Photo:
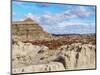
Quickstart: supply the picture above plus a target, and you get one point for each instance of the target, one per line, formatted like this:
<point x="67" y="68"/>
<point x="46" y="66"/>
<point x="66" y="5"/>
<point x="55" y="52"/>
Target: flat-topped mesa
<point x="28" y="30"/>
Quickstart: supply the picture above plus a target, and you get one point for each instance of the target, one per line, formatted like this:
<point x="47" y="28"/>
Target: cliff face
<point x="28" y="30"/>
<point x="33" y="58"/>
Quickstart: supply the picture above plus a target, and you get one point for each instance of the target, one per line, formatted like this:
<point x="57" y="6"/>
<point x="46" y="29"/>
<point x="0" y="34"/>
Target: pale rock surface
<point x="33" y="58"/>
<point x="52" y="66"/>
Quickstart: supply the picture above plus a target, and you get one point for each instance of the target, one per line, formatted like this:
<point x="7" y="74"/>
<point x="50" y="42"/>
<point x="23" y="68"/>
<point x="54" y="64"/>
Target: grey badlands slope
<point x="33" y="58"/>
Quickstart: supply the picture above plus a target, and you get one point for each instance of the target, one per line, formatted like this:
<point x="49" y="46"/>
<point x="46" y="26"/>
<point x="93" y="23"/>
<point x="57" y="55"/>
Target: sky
<point x="57" y="18"/>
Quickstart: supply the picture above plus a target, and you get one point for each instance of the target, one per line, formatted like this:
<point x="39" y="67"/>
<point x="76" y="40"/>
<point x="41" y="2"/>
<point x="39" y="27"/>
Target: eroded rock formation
<point x="34" y="50"/>
<point x="33" y="58"/>
<point x="28" y="30"/>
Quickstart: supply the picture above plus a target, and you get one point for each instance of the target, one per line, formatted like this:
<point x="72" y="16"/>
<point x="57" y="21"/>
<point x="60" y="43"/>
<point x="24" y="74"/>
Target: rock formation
<point x="33" y="58"/>
<point x="28" y="30"/>
<point x="34" y="50"/>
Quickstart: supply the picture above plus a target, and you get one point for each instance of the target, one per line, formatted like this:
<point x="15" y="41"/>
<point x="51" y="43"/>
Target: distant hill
<point x="90" y="34"/>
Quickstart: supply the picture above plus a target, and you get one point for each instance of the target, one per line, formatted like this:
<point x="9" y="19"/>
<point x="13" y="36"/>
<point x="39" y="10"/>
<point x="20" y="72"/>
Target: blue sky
<point x="57" y="18"/>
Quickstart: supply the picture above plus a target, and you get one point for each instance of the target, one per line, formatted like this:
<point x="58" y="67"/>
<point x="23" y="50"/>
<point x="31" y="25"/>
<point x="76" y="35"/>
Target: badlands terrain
<point x="34" y="50"/>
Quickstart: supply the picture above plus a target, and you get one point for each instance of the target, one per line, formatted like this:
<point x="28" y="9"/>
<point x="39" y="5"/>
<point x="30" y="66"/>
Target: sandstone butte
<point x="28" y="30"/>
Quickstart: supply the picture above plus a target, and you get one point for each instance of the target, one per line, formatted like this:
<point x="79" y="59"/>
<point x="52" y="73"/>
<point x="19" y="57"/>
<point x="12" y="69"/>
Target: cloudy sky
<point x="57" y="18"/>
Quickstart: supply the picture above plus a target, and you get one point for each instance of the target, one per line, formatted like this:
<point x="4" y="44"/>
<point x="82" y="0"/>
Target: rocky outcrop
<point x="78" y="56"/>
<point x="28" y="30"/>
<point x="52" y="66"/>
<point x="34" y="58"/>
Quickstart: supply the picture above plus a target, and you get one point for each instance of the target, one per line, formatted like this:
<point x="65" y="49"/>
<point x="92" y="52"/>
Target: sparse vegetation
<point x="63" y="40"/>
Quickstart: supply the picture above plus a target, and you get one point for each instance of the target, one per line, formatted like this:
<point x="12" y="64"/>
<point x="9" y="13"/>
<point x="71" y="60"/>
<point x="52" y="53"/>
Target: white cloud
<point x="78" y="12"/>
<point x="29" y="15"/>
<point x="57" y="23"/>
<point x="69" y="14"/>
<point x="84" y="11"/>
<point x="34" y="17"/>
<point x="49" y="18"/>
<point x="65" y="23"/>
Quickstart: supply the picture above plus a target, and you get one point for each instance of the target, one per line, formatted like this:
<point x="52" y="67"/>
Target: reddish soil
<point x="62" y="40"/>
